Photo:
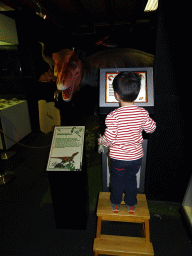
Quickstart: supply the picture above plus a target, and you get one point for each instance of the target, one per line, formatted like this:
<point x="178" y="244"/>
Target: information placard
<point x="110" y="98"/>
<point x="66" y="152"/>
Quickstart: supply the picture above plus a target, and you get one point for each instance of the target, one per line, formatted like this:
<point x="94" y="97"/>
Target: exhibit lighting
<point x="151" y="5"/>
<point x="40" y="14"/>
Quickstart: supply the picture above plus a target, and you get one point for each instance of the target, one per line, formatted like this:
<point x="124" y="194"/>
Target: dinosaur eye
<point x="73" y="64"/>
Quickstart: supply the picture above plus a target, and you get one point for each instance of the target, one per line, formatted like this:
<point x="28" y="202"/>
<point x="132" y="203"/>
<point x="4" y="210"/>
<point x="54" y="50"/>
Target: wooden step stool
<point x="122" y="245"/>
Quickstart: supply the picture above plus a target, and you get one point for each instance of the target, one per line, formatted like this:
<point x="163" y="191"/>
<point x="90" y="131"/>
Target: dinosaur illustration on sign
<point x="66" y="162"/>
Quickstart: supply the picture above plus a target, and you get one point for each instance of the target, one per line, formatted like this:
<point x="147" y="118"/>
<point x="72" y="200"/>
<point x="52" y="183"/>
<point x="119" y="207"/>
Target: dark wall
<point x="10" y="73"/>
<point x="32" y="63"/>
<point x="167" y="172"/>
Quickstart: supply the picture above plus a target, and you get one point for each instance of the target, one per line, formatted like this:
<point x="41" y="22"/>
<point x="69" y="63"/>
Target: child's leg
<point x="130" y="182"/>
<point x="117" y="181"/>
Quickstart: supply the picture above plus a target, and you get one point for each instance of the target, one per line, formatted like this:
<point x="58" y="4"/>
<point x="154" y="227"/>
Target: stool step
<point x="104" y="209"/>
<point x="121" y="245"/>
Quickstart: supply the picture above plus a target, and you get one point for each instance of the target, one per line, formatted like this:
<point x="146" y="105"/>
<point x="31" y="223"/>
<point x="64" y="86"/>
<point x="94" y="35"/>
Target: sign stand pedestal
<point x="68" y="177"/>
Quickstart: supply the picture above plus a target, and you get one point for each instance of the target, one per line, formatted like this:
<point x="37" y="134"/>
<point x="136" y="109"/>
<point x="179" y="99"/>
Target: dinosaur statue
<point x="106" y="42"/>
<point x="47" y="59"/>
<point x="73" y="73"/>
<point x="48" y="77"/>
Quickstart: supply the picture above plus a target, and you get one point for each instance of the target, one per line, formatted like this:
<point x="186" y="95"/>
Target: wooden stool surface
<point x="104" y="208"/>
<point x="120" y="245"/>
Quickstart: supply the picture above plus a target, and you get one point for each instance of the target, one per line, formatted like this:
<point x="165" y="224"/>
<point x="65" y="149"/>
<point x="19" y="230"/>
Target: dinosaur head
<point x="68" y="69"/>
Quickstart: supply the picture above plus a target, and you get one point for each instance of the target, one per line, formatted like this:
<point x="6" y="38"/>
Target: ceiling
<point x="84" y="13"/>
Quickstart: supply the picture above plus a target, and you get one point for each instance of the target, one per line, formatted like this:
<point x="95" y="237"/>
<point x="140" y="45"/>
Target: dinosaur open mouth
<point x="67" y="94"/>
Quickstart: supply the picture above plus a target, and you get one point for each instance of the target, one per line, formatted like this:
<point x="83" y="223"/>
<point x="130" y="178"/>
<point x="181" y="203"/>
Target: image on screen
<point x="110" y="98"/>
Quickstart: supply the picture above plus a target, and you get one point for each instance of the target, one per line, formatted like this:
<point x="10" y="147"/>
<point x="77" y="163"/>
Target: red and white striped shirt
<point x="124" y="132"/>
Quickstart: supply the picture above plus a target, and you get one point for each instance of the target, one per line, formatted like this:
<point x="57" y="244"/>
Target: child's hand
<point x="99" y="140"/>
<point x="100" y="147"/>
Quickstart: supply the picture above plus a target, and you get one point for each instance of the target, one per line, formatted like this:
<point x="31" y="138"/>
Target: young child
<point x="123" y="136"/>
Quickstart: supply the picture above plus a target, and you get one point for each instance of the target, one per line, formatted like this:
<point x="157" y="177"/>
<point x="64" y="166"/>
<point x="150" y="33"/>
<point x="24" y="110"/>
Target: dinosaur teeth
<point x="67" y="93"/>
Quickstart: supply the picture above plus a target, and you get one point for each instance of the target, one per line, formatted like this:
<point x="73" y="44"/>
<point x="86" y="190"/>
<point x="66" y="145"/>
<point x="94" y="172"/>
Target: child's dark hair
<point x="127" y="85"/>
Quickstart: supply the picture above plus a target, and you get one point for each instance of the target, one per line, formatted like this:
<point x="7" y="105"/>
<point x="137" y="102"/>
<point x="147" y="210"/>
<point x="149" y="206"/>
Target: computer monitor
<point x="145" y="99"/>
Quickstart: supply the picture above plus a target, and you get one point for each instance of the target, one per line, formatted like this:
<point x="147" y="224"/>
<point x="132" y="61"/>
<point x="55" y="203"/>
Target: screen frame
<point x="107" y="107"/>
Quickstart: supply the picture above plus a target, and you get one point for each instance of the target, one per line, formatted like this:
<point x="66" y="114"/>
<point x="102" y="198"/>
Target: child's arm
<point x="149" y="125"/>
<point x="110" y="134"/>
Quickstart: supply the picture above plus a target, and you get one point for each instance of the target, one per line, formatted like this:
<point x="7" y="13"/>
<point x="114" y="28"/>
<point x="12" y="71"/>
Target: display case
<point x="15" y="121"/>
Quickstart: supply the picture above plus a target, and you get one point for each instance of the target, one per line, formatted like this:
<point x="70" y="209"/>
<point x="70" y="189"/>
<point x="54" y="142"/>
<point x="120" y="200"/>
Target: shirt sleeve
<point x="149" y="125"/>
<point x="110" y="134"/>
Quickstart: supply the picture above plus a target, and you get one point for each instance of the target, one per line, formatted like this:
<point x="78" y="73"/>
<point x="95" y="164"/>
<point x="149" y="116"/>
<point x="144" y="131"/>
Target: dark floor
<point x="28" y="226"/>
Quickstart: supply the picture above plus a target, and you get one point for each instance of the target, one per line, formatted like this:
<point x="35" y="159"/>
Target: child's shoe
<point x="115" y="208"/>
<point x="131" y="209"/>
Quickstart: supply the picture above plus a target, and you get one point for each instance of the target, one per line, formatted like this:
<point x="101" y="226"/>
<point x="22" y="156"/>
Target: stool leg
<point x="143" y="229"/>
<point x="146" y="230"/>
<point x="95" y="254"/>
<point x="98" y="226"/>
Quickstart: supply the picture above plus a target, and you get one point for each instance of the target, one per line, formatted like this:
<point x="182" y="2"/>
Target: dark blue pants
<point x="124" y="180"/>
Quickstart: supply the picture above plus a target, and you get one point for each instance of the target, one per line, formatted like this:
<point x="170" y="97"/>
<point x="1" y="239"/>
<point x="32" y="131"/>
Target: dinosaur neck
<point x="113" y="58"/>
<point x="43" y="50"/>
<point x="90" y="74"/>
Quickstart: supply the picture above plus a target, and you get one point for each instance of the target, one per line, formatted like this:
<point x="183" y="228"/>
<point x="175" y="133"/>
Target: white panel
<point x="187" y="202"/>
<point x="8" y="31"/>
<point x="15" y="122"/>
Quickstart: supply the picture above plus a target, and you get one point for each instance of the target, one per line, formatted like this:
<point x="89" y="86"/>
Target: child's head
<point x="127" y="85"/>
